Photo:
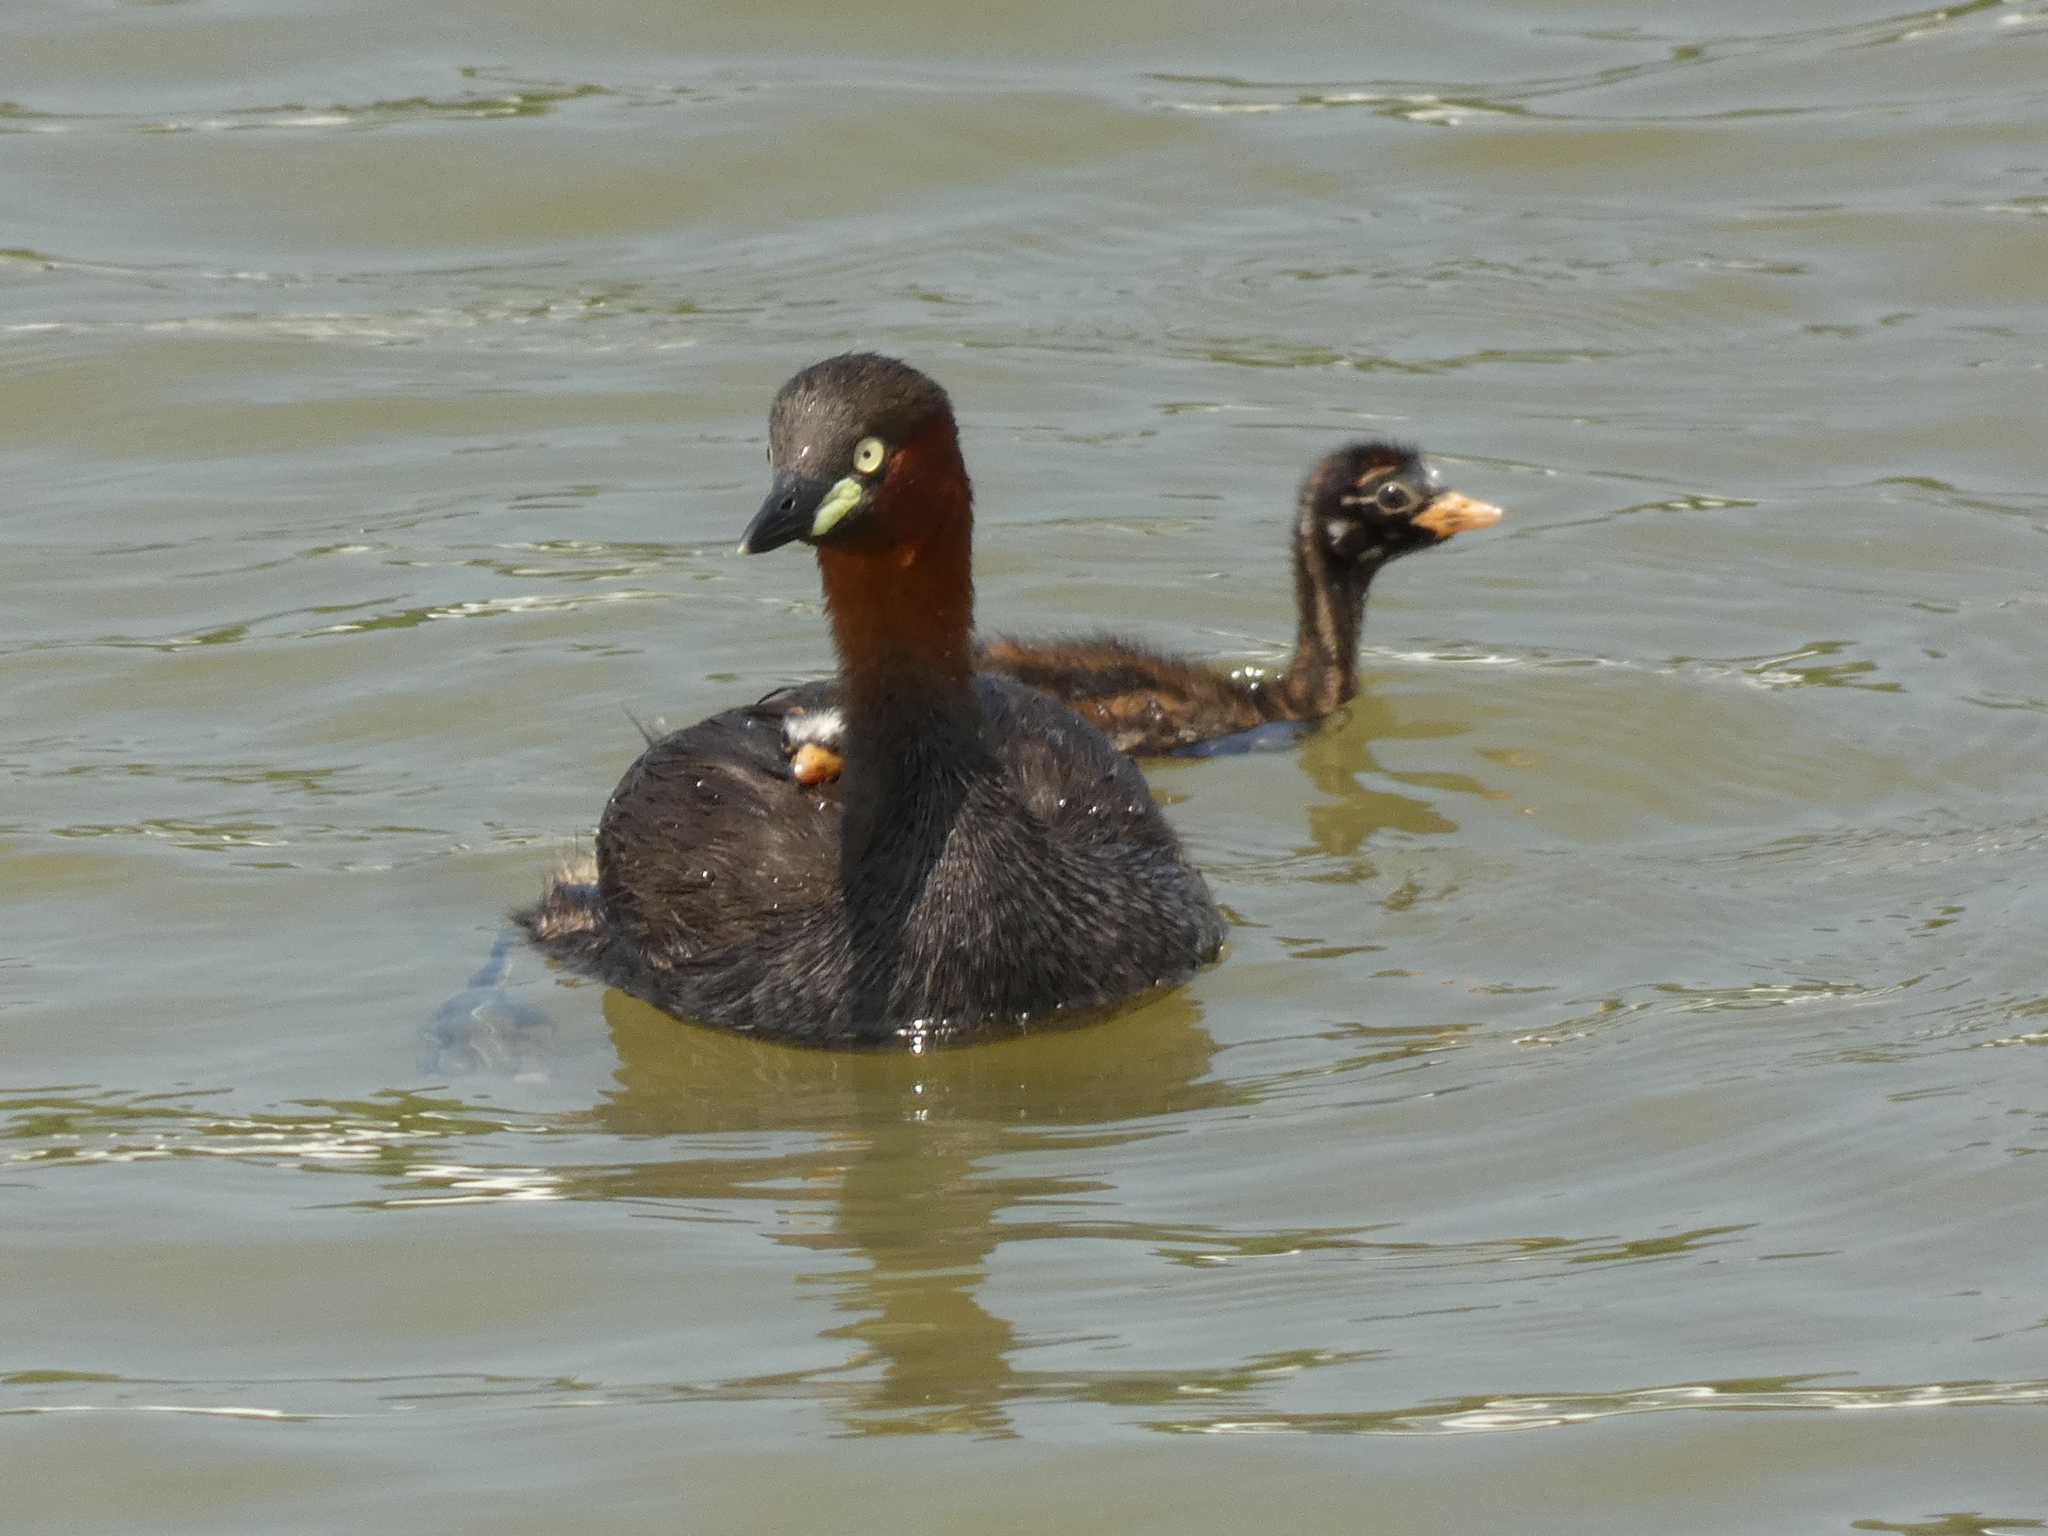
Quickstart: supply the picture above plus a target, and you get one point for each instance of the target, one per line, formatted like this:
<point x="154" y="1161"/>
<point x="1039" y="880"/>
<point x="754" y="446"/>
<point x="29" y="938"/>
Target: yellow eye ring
<point x="868" y="454"/>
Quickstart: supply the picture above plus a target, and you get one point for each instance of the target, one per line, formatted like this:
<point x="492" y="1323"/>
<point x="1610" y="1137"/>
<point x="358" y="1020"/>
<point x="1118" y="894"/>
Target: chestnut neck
<point x="900" y="591"/>
<point x="1329" y="597"/>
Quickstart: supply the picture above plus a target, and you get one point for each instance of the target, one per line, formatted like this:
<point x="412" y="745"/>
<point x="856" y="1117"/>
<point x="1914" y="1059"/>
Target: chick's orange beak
<point x="1452" y="513"/>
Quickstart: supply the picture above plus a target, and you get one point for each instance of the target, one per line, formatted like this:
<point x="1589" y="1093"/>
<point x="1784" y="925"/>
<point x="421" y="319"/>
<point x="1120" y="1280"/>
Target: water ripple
<point x="1493" y="1415"/>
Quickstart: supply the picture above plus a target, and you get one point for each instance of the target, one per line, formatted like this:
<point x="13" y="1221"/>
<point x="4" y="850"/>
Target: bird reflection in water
<point x="904" y="1173"/>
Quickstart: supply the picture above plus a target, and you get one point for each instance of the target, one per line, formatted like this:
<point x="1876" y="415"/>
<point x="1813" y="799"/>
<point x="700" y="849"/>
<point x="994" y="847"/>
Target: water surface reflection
<point x="900" y="1164"/>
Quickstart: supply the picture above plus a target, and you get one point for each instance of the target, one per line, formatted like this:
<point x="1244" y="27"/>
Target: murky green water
<point x="1615" y="1109"/>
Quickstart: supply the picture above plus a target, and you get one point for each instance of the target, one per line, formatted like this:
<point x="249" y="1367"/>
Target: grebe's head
<point x="1368" y="503"/>
<point x="864" y="453"/>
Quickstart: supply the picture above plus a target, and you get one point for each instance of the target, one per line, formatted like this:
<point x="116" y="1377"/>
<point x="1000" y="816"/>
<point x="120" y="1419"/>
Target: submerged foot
<point x="484" y="1028"/>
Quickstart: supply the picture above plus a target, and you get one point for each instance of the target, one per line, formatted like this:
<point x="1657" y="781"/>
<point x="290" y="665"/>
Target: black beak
<point x="786" y="514"/>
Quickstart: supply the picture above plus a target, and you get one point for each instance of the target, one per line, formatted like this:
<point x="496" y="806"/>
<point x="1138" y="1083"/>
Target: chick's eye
<point x="868" y="454"/>
<point x="1395" y="497"/>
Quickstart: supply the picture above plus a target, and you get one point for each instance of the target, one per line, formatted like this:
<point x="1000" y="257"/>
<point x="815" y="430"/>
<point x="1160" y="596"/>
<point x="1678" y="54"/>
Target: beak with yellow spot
<point x="802" y="507"/>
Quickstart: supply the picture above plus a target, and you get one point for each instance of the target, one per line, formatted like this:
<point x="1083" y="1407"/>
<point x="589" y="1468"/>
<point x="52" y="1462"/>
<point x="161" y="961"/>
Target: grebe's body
<point x="986" y="860"/>
<point x="1361" y="507"/>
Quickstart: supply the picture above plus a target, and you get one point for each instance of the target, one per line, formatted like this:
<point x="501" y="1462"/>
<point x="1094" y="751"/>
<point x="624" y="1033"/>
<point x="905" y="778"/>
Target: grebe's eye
<point x="868" y="454"/>
<point x="1395" y="497"/>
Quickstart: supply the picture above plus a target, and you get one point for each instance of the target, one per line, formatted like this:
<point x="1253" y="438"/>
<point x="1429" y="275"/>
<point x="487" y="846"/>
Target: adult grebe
<point x="987" y="859"/>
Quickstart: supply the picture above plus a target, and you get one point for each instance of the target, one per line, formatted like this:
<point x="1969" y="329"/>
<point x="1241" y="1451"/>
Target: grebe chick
<point x="986" y="860"/>
<point x="1360" y="507"/>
